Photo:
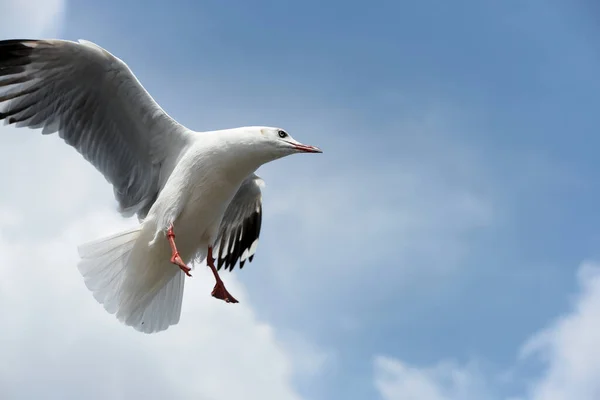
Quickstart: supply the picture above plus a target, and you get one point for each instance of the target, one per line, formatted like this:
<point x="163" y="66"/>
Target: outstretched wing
<point x="240" y="227"/>
<point x="96" y="104"/>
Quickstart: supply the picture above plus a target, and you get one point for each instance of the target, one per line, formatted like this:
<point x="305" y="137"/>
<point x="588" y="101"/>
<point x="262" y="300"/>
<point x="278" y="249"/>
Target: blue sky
<point x="455" y="202"/>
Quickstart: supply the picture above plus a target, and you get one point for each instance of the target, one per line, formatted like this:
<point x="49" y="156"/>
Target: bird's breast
<point x="202" y="185"/>
<point x="201" y="216"/>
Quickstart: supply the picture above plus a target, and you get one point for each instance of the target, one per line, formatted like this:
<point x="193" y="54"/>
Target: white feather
<point x="144" y="291"/>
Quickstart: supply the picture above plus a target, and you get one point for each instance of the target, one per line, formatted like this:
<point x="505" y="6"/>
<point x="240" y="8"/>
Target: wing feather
<point x="240" y="228"/>
<point x="96" y="104"/>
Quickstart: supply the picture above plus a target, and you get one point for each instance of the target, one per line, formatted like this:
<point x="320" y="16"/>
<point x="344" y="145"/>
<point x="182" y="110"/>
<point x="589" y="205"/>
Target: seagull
<point x="195" y="194"/>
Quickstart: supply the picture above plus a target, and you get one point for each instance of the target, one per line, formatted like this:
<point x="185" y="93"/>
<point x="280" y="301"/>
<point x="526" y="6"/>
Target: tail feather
<point x="165" y="308"/>
<point x="144" y="293"/>
<point x="106" y="245"/>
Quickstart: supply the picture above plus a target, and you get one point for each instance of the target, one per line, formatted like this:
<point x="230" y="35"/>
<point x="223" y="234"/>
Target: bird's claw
<point x="221" y="293"/>
<point x="176" y="259"/>
<point x="186" y="270"/>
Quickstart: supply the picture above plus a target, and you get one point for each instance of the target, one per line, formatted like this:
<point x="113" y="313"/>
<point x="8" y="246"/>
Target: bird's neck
<point x="239" y="155"/>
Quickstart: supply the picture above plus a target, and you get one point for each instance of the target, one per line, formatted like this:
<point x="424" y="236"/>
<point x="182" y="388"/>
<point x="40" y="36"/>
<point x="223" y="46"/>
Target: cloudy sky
<point x="446" y="246"/>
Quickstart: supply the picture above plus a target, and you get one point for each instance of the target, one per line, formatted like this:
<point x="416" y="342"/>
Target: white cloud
<point x="445" y="381"/>
<point x="571" y="346"/>
<point x="310" y="361"/>
<point x="57" y="340"/>
<point x="569" y="350"/>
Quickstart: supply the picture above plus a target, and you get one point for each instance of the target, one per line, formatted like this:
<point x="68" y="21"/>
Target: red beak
<point x="307" y="149"/>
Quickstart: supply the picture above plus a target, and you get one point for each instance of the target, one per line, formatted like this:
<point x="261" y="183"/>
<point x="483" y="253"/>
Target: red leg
<point x="219" y="291"/>
<point x="175" y="258"/>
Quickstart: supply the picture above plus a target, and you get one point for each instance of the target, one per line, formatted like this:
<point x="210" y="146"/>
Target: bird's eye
<point x="282" y="134"/>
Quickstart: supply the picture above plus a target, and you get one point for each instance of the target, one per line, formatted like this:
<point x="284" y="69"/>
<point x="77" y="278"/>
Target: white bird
<point x="198" y="187"/>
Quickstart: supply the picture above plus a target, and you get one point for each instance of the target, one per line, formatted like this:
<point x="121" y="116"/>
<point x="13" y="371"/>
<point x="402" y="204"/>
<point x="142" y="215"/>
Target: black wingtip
<point x="16" y="41"/>
<point x="14" y="55"/>
<point x="16" y="46"/>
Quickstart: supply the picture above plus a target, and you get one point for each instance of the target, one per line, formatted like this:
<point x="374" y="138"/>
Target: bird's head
<point x="264" y="144"/>
<point x="280" y="143"/>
